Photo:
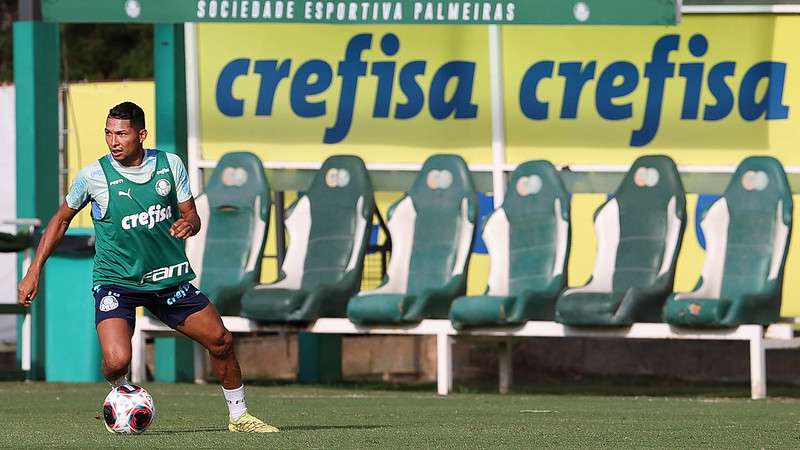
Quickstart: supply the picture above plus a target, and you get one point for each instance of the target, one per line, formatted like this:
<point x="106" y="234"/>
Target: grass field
<point x="39" y="415"/>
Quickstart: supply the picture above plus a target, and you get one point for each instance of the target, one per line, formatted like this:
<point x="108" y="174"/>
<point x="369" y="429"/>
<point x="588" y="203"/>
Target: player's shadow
<point x="284" y="428"/>
<point x="189" y="430"/>
<point x="330" y="427"/>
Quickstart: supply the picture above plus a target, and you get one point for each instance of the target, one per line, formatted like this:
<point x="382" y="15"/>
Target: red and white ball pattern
<point x="128" y="409"/>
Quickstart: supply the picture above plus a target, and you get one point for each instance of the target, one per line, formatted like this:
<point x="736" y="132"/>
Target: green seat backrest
<point x="650" y="198"/>
<point x="757" y="206"/>
<point x="639" y="230"/>
<point x="328" y="225"/>
<point x="528" y="236"/>
<point x="234" y="210"/>
<point x="444" y="204"/>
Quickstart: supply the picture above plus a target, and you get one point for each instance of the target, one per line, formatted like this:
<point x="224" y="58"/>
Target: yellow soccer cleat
<point x="248" y="423"/>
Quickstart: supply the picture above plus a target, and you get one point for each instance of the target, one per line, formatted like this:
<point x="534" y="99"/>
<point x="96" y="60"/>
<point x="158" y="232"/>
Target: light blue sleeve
<point x="78" y="194"/>
<point x="182" y="189"/>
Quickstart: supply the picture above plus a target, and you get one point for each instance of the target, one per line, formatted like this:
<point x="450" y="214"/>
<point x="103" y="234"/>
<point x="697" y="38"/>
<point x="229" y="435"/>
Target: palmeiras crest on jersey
<point x="163" y="187"/>
<point x="108" y="303"/>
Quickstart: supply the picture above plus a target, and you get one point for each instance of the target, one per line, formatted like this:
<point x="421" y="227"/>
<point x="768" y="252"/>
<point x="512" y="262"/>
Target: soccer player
<point x="143" y="211"/>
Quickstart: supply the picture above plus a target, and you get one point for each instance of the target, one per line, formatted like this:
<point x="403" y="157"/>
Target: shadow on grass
<point x="188" y="430"/>
<point x="611" y="385"/>
<point x="283" y="428"/>
<point x="331" y="427"/>
<point x="633" y="386"/>
<point x="354" y="385"/>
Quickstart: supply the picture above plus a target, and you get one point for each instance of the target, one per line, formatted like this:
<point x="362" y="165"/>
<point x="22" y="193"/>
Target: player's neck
<point x="135" y="159"/>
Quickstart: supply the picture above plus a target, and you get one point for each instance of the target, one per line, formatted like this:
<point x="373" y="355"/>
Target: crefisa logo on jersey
<point x="108" y="303"/>
<point x="163" y="187"/>
<point x="149" y="218"/>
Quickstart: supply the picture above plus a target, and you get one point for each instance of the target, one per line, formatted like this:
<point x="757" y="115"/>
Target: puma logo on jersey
<point x="115" y="182"/>
<point x="162" y="273"/>
<point x="162" y="171"/>
<point x="125" y="194"/>
<point x="149" y="218"/>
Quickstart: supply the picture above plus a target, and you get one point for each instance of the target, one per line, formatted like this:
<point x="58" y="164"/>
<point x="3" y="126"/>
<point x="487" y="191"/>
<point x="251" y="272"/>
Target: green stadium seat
<point x="747" y="237"/>
<point x="432" y="228"/>
<point x="234" y="210"/>
<point x="528" y="242"/>
<point x="639" y="232"/>
<point x="328" y="228"/>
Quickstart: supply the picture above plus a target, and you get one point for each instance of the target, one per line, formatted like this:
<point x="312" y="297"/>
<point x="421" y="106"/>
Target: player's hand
<point x="181" y="229"/>
<point x="27" y="289"/>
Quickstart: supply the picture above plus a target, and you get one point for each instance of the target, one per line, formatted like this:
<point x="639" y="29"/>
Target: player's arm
<point x="53" y="234"/>
<point x="189" y="222"/>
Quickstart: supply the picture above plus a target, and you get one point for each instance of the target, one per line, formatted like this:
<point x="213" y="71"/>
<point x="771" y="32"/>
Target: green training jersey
<point x="134" y="247"/>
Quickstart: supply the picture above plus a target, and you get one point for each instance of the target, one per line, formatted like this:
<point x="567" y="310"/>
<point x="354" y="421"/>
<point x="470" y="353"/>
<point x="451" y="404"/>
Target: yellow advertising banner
<point x="385" y="93"/>
<point x="713" y="90"/>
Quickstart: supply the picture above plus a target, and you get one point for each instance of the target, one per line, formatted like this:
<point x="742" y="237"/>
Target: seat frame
<point x="760" y="339"/>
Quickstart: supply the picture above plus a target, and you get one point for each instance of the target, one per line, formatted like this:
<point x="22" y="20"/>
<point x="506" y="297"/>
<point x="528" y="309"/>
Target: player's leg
<point x="115" y="344"/>
<point x="115" y="317"/>
<point x="190" y="312"/>
<point x="206" y="328"/>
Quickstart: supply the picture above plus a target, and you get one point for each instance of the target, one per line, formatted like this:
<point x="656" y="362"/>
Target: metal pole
<point x="27" y="327"/>
<point x="280" y="229"/>
<point x="758" y="366"/>
<point x="444" y="363"/>
<point x="192" y="108"/>
<point x="173" y="356"/>
<point x="27" y="258"/>
<point x="138" y="369"/>
<point x="36" y="81"/>
<point x="29" y="10"/>
<point x="505" y="365"/>
<point x="498" y="114"/>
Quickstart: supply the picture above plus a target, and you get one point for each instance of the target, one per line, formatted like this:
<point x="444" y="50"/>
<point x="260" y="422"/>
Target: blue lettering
<point x="226" y="103"/>
<point x="271" y="74"/>
<point x="607" y="90"/>
<point x="450" y="93"/>
<point x="576" y="75"/>
<point x="461" y="102"/>
<point x="657" y="71"/>
<point x="302" y="88"/>
<point x="720" y="90"/>
<point x="693" y="73"/>
<point x="760" y="93"/>
<point x="528" y="101"/>
<point x="771" y="105"/>
<point x="349" y="70"/>
<point x="384" y="70"/>
<point x="411" y="89"/>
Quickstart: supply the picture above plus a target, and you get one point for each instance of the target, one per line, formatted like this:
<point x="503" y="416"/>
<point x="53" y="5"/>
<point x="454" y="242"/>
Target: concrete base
<point x="535" y="360"/>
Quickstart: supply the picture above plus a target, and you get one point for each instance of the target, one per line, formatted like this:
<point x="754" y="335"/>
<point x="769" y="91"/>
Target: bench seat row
<point x="432" y="227"/>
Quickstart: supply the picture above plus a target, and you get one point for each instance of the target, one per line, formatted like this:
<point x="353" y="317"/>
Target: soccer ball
<point x="128" y="409"/>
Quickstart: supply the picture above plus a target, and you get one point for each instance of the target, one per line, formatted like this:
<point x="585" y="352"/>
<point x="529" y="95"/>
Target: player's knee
<point x="116" y="362"/>
<point x="222" y="344"/>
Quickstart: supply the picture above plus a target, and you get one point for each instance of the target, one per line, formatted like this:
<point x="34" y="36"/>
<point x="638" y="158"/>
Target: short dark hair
<point x="128" y="111"/>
